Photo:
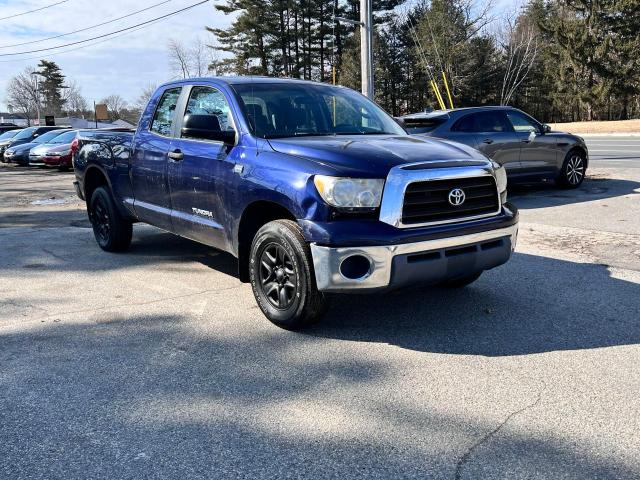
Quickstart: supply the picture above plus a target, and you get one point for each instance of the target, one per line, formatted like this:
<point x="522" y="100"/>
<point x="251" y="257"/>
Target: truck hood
<point x="374" y="155"/>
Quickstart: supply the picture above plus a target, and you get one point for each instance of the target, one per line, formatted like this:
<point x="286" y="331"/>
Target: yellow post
<point x="446" y="85"/>
<point x="438" y="97"/>
<point x="333" y="73"/>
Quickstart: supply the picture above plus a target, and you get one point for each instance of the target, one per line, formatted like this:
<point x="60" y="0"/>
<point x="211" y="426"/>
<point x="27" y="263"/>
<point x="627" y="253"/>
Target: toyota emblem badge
<point x="456" y="197"/>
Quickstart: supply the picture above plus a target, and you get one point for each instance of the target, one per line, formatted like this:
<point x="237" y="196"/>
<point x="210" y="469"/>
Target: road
<point x="614" y="151"/>
<point x="157" y="363"/>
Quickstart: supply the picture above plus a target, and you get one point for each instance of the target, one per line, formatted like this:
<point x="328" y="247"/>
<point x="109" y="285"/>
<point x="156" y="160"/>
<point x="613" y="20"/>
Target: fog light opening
<point x="356" y="267"/>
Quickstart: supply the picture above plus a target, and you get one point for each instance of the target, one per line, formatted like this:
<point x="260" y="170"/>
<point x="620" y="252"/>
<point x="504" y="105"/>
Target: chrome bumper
<point x="428" y="261"/>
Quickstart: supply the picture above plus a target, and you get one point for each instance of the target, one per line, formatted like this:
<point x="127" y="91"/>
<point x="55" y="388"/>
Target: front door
<point x="198" y="170"/>
<point x="538" y="152"/>
<point x="149" y="164"/>
<point x="496" y="139"/>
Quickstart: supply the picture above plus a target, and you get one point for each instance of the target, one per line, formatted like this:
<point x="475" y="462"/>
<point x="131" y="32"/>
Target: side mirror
<point x="546" y="128"/>
<point x="206" y="127"/>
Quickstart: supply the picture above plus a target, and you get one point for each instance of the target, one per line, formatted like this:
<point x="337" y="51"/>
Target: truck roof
<point x="238" y="80"/>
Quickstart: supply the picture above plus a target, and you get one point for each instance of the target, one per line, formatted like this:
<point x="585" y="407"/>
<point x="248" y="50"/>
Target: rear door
<point x="199" y="169"/>
<point x="149" y="163"/>
<point x="538" y="152"/>
<point x="496" y="138"/>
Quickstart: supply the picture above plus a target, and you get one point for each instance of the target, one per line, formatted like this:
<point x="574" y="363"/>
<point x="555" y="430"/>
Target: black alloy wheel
<point x="282" y="276"/>
<point x="573" y="170"/>
<point x="113" y="233"/>
<point x="277" y="276"/>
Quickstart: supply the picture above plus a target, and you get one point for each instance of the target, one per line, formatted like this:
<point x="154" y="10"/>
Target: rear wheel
<point x="573" y="170"/>
<point x="112" y="232"/>
<point x="282" y="277"/>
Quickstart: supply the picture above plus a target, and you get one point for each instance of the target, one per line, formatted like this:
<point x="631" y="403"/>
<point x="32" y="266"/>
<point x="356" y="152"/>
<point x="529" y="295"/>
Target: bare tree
<point x="179" y="59"/>
<point x="22" y="94"/>
<point x="145" y="95"/>
<point x="520" y="45"/>
<point x="74" y="102"/>
<point x="116" y="106"/>
<point x="195" y="59"/>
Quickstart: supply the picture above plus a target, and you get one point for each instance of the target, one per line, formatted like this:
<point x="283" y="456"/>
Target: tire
<point x="462" y="281"/>
<point x="282" y="276"/>
<point x="112" y="232"/>
<point x="574" y="169"/>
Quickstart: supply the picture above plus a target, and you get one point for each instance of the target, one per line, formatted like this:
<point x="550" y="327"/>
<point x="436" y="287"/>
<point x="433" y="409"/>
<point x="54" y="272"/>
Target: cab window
<point x="163" y="118"/>
<point x="210" y="101"/>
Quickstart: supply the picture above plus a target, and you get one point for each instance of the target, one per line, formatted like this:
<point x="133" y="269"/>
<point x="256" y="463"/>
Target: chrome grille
<point x="428" y="201"/>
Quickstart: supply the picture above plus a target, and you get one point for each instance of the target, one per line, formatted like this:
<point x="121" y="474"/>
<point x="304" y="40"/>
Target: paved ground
<point x="614" y="151"/>
<point x="157" y="363"/>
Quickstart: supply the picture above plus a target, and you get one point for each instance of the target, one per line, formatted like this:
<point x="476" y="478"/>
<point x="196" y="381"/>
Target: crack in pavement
<point x="465" y="458"/>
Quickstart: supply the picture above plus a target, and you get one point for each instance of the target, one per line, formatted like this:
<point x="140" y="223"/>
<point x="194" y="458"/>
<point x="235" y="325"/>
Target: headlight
<point x="61" y="153"/>
<point x="501" y="178"/>
<point x="344" y="192"/>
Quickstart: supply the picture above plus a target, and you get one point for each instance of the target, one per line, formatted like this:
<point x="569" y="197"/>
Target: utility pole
<point x="366" y="47"/>
<point x="35" y="76"/>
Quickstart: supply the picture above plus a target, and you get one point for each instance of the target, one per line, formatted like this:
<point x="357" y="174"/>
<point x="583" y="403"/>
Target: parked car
<point x="28" y="134"/>
<point x="55" y="152"/>
<point x="5" y="139"/>
<point x="7" y="126"/>
<point x="19" y="152"/>
<point x="314" y="188"/>
<point x="529" y="150"/>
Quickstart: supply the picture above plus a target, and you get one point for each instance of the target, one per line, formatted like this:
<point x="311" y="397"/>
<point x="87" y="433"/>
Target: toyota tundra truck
<point x="312" y="187"/>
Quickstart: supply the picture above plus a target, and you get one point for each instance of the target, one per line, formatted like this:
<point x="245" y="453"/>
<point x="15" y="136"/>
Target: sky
<point x="123" y="64"/>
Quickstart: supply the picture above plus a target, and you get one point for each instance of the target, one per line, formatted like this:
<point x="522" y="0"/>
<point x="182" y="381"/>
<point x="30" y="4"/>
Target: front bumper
<point x="428" y="262"/>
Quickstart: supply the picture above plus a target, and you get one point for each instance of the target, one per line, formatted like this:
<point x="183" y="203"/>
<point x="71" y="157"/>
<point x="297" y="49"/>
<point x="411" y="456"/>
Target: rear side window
<point x="466" y="124"/>
<point x="163" y="118"/>
<point x="486" y="122"/>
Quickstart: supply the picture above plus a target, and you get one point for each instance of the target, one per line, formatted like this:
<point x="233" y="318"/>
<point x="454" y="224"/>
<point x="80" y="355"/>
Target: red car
<point x="56" y="153"/>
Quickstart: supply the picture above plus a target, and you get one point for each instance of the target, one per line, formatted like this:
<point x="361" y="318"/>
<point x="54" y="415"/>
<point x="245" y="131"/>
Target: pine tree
<point x="50" y="86"/>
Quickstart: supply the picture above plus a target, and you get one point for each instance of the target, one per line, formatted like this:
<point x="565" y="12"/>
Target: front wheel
<point x="573" y="170"/>
<point x="113" y="233"/>
<point x="282" y="277"/>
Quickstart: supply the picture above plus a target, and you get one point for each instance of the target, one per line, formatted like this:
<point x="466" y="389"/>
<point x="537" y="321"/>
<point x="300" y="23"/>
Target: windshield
<point x="46" y="137"/>
<point x="277" y="110"/>
<point x="9" y="134"/>
<point x="66" y="137"/>
<point x="26" y="133"/>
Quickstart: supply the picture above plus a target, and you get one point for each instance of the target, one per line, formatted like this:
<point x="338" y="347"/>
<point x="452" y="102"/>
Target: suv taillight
<point x="74" y="146"/>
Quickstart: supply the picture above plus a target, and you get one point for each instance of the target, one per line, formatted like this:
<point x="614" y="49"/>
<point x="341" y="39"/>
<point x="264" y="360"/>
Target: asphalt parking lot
<point x="158" y="364"/>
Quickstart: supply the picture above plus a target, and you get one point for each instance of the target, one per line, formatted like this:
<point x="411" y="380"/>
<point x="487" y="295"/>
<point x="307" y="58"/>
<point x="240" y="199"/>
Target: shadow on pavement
<point x="149" y="397"/>
<point x="548" y="195"/>
<point x="530" y="305"/>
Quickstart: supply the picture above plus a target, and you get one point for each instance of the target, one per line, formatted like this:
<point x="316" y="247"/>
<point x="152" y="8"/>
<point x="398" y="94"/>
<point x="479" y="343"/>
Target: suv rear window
<point x="423" y="125"/>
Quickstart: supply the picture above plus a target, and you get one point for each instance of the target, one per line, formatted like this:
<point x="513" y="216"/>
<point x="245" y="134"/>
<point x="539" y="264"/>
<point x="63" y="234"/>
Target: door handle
<point x="176" y="155"/>
<point x="488" y="141"/>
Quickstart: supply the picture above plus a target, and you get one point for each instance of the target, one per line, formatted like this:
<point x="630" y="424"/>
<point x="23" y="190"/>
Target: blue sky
<point x="122" y="65"/>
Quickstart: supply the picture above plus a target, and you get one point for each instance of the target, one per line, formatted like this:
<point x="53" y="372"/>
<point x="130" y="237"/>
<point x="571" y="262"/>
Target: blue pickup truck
<point x="314" y="188"/>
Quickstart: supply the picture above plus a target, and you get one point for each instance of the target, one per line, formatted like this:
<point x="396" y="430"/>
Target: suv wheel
<point x="282" y="277"/>
<point x="573" y="170"/>
<point x="112" y="232"/>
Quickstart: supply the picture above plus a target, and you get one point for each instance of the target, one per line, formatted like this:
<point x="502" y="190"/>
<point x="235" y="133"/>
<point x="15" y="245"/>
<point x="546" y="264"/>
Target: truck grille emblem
<point x="456" y="197"/>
